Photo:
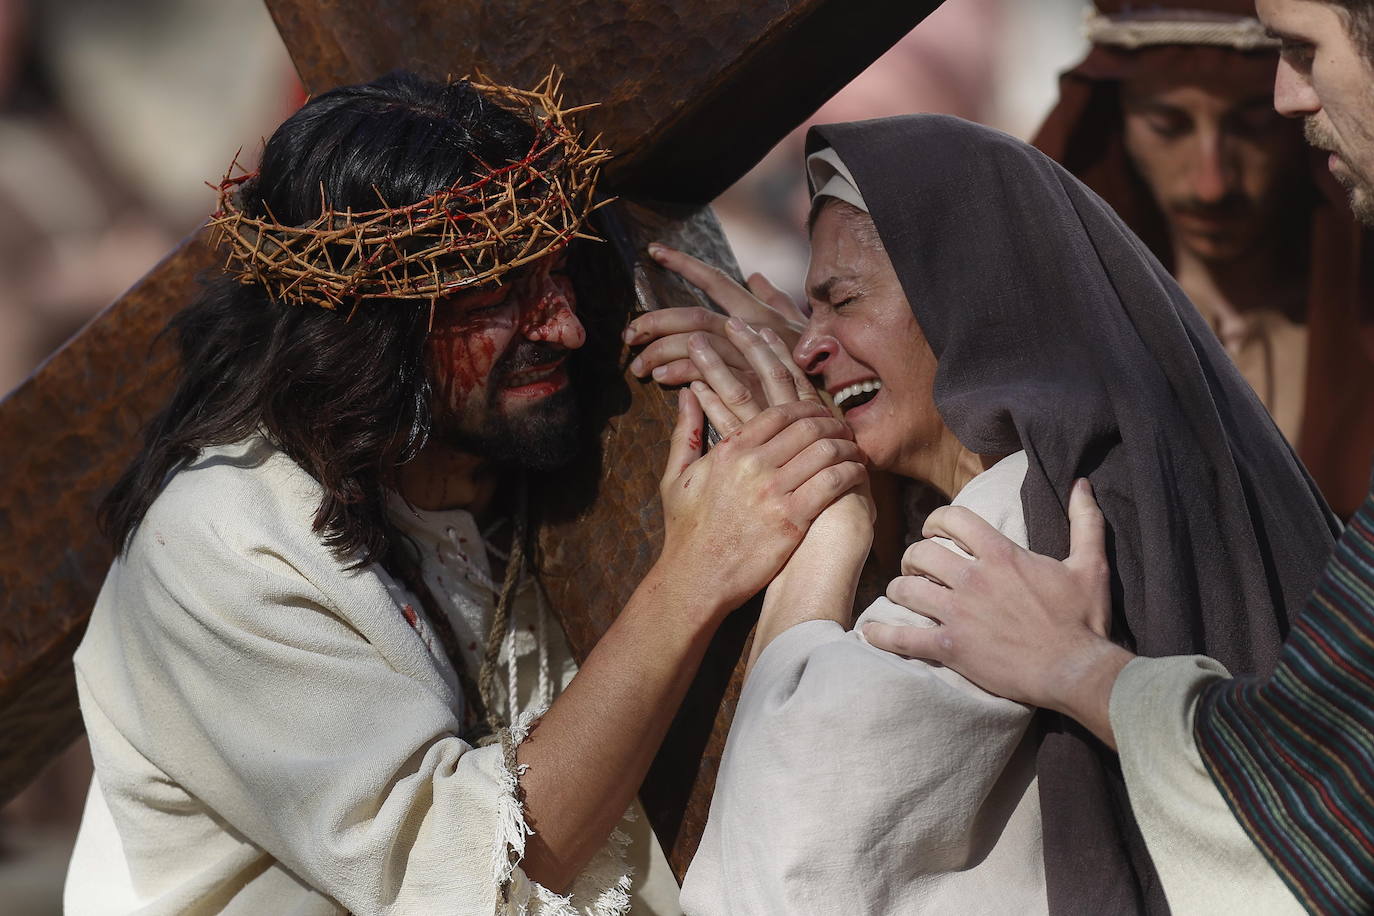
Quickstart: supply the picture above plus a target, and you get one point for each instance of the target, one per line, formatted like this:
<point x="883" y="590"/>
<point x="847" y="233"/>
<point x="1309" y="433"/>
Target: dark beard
<point x="540" y="437"/>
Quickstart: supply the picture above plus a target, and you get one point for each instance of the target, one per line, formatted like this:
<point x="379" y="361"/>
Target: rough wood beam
<point x="693" y="92"/>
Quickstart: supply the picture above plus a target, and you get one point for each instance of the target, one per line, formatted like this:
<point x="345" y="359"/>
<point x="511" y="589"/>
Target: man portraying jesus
<point x="321" y="676"/>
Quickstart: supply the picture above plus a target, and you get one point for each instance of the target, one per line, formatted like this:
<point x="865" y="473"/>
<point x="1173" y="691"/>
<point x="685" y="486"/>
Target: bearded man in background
<point x="1170" y="119"/>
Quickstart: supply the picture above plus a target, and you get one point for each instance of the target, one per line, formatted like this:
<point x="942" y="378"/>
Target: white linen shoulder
<point x="995" y="496"/>
<point x="856" y="781"/>
<point x="241" y="682"/>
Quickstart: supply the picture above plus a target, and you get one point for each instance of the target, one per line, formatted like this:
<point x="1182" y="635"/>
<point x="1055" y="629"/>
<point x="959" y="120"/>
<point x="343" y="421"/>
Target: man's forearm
<point x="590" y="752"/>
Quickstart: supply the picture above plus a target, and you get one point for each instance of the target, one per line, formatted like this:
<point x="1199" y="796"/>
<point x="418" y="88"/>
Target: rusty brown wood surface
<point x="67" y="433"/>
<point x="694" y="93"/>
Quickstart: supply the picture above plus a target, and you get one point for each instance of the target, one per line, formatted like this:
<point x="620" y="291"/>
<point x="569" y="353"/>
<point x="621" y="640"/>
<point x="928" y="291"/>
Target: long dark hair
<point x="345" y="397"/>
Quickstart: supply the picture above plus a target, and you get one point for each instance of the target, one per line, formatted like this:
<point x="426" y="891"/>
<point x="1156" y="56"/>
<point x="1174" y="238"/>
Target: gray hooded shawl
<point x="1059" y="333"/>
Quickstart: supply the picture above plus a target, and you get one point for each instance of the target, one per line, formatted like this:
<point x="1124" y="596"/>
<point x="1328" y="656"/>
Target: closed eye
<point x="1169" y="125"/>
<point x="489" y="301"/>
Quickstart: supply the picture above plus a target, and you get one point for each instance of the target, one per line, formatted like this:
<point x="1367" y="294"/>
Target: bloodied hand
<point x="497" y="364"/>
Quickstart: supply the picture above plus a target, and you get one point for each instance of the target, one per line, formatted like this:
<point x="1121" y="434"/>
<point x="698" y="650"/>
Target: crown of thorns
<point x="464" y="235"/>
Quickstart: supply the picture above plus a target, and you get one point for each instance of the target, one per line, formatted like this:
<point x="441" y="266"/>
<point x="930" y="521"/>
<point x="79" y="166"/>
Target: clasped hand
<point x="784" y="458"/>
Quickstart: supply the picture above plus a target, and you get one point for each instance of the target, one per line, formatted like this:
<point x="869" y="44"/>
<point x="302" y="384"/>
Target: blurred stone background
<point x="113" y="116"/>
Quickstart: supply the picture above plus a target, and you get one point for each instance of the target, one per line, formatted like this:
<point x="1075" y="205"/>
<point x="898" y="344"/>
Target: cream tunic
<point x="855" y="781"/>
<point x="1206" y="861"/>
<point x="270" y="734"/>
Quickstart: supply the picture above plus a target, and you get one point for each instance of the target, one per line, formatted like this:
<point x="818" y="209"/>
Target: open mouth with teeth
<point x="549" y="376"/>
<point x="857" y="394"/>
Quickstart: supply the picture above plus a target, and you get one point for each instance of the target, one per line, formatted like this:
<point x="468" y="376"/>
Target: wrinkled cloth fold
<point x="273" y="732"/>
<point x="858" y="782"/>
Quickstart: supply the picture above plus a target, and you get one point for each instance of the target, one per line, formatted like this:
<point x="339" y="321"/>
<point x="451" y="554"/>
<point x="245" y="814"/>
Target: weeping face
<point x="863" y="344"/>
<point x="496" y="359"/>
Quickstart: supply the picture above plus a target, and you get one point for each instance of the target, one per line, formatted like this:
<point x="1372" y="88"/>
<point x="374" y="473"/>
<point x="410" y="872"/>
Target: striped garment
<point x="1294" y="753"/>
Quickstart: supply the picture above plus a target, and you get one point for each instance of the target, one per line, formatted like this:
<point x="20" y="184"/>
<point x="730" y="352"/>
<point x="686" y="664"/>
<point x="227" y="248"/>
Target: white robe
<point x="271" y="735"/>
<point x="855" y="781"/>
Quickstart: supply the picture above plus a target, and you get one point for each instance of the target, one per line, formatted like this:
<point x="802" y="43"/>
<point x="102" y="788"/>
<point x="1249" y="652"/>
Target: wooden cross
<point x="693" y="93"/>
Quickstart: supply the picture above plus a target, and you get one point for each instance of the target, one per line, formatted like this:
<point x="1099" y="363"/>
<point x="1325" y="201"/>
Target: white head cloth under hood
<point x="830" y="178"/>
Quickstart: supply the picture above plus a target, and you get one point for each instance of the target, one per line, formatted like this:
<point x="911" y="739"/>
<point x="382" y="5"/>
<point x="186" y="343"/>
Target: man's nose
<point x="1214" y="173"/>
<point x="814" y="350"/>
<point x="1294" y="96"/>
<point x="552" y="317"/>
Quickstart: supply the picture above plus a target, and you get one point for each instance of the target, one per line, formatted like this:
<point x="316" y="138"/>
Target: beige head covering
<point x="830" y="178"/>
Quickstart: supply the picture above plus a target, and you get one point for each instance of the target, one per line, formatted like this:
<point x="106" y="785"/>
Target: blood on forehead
<point x="532" y="290"/>
<point x="532" y="305"/>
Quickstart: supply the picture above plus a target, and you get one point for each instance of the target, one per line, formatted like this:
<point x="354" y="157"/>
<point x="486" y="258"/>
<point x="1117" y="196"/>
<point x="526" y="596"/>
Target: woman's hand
<point x="734" y="516"/>
<point x="666" y="332"/>
<point x="819" y="579"/>
<point x="1018" y="624"/>
<point x="846" y="527"/>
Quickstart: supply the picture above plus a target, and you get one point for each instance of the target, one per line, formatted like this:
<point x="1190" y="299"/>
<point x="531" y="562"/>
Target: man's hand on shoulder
<point x="1024" y="626"/>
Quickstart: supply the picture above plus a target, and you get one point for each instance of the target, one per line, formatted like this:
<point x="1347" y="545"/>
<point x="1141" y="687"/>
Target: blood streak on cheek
<point x="461" y="358"/>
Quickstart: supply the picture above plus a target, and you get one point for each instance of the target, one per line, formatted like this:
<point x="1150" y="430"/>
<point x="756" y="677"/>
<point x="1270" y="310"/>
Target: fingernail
<point x="698" y="386"/>
<point x="735" y="324"/>
<point x="697" y="341"/>
<point x="637" y="367"/>
<point x="629" y="334"/>
<point x="1083" y="486"/>
<point x="655" y="250"/>
<point x="681" y="398"/>
<point x="659" y="372"/>
<point x="769" y="335"/>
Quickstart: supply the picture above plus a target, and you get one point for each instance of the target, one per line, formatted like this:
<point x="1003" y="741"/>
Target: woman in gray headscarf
<point x="988" y="325"/>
